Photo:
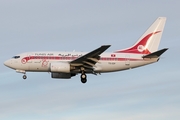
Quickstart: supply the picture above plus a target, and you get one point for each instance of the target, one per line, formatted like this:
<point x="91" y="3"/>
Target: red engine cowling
<point x="60" y="67"/>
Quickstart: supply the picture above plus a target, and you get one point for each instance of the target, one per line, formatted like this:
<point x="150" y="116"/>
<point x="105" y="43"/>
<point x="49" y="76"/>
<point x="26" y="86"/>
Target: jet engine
<point x="60" y="67"/>
<point x="62" y="75"/>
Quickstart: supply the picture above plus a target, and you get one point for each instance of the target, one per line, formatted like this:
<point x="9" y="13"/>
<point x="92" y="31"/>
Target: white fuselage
<point x="109" y="62"/>
<point x="64" y="65"/>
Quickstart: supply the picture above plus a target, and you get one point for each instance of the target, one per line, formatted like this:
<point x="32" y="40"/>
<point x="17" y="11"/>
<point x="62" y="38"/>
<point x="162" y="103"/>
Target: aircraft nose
<point x="7" y="63"/>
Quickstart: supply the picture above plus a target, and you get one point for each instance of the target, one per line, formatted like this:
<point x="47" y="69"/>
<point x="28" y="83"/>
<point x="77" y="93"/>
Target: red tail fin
<point x="149" y="41"/>
<point x="140" y="47"/>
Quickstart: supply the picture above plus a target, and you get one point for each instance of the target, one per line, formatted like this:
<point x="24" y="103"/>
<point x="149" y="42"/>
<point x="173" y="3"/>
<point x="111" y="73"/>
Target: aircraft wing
<point x="90" y="59"/>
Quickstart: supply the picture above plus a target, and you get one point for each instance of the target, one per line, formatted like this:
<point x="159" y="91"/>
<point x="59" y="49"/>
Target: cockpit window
<point x="16" y="57"/>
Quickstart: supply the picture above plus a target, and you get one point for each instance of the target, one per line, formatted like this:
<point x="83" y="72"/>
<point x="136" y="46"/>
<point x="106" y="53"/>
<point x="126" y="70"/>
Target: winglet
<point x="155" y="54"/>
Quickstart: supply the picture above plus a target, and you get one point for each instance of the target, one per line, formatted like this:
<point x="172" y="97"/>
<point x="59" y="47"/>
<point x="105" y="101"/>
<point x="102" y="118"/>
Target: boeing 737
<point x="64" y="65"/>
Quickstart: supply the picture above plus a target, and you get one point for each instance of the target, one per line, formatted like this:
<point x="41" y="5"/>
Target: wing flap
<point x="93" y="59"/>
<point x="90" y="64"/>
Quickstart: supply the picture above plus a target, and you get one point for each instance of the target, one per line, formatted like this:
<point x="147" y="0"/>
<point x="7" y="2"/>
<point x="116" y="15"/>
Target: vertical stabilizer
<point x="149" y="41"/>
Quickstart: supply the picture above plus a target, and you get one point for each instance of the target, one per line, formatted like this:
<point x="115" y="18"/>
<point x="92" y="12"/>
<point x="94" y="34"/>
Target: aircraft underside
<point x="102" y="67"/>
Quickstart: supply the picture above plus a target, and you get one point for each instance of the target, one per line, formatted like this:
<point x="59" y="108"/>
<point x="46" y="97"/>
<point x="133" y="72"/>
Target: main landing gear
<point x="83" y="77"/>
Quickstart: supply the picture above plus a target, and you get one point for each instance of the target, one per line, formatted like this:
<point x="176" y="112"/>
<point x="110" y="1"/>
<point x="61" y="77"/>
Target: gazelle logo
<point x="23" y="61"/>
<point x="141" y="48"/>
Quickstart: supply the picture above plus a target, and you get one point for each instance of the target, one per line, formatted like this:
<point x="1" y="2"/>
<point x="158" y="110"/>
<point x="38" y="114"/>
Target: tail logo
<point x="140" y="48"/>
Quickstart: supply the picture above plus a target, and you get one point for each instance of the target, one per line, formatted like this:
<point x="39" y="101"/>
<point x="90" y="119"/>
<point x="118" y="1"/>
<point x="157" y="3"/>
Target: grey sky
<point x="150" y="92"/>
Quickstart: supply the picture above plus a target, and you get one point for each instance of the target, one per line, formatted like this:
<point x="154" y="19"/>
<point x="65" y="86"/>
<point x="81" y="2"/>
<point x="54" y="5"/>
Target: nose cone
<point x="7" y="63"/>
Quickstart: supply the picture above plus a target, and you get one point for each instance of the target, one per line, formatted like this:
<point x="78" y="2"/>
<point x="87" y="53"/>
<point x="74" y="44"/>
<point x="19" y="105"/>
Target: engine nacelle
<point x="61" y="75"/>
<point x="60" y="67"/>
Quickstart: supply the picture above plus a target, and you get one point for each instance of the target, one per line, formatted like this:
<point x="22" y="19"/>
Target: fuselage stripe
<point x="73" y="58"/>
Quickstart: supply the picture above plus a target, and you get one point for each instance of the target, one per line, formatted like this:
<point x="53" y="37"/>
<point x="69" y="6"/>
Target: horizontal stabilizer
<point x="155" y="54"/>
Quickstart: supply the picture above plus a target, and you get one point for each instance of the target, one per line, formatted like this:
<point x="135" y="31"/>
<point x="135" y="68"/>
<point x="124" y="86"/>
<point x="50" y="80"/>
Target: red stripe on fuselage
<point x="73" y="58"/>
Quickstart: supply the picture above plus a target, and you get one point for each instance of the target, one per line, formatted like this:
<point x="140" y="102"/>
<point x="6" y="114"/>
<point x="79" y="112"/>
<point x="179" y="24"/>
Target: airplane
<point x="64" y="65"/>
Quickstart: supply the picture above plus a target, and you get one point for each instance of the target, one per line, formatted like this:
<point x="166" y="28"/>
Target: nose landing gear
<point x="22" y="71"/>
<point x="24" y="77"/>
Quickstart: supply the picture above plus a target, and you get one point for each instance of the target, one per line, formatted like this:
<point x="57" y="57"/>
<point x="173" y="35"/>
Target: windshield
<point x="16" y="57"/>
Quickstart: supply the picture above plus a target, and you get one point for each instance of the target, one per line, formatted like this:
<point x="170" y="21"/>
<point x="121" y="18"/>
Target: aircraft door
<point x="24" y="62"/>
<point x="30" y="61"/>
<point x="127" y="60"/>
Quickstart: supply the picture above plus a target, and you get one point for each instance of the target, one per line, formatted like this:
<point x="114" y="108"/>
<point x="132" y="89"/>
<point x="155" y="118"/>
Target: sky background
<point x="146" y="93"/>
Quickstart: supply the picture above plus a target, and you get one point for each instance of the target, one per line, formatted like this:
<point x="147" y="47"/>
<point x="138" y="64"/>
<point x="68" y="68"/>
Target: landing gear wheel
<point x="24" y="76"/>
<point x="83" y="78"/>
